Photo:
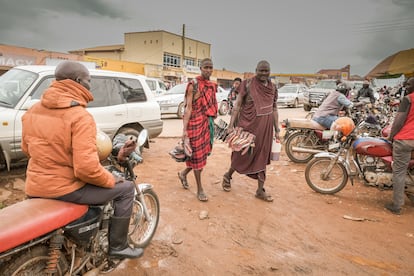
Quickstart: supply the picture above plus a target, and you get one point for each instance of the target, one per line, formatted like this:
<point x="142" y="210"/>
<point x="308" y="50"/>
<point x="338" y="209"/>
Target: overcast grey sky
<point x="295" y="36"/>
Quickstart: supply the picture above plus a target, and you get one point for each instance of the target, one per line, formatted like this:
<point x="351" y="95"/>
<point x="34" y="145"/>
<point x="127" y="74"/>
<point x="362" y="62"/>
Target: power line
<point x="385" y="26"/>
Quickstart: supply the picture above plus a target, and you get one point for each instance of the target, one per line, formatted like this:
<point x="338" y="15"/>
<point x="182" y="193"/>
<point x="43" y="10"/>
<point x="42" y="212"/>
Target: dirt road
<point x="300" y="233"/>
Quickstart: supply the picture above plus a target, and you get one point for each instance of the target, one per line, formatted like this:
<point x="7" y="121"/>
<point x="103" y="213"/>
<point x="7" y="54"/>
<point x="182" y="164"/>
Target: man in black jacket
<point x="366" y="92"/>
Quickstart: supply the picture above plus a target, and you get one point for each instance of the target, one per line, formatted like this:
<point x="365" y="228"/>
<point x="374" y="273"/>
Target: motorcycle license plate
<point x="333" y="146"/>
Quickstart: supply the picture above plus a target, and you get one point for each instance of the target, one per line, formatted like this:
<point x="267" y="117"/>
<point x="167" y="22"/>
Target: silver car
<point x="172" y="101"/>
<point x="291" y="95"/>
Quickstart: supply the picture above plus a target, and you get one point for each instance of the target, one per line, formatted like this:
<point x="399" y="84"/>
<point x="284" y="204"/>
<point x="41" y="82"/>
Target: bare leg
<point x="226" y="184"/>
<point x="183" y="177"/>
<point x="261" y="193"/>
<point x="230" y="172"/>
<point x="260" y="185"/>
<point x="200" y="192"/>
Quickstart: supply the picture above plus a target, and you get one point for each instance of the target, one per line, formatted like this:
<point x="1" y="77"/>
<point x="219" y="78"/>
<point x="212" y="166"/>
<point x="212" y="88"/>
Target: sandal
<point x="226" y="185"/>
<point x="183" y="181"/>
<point x="202" y="197"/>
<point x="264" y="196"/>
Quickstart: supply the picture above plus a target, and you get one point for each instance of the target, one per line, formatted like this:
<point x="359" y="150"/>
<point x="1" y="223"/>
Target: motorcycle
<point x="303" y="138"/>
<point x="367" y="158"/>
<point x="51" y="237"/>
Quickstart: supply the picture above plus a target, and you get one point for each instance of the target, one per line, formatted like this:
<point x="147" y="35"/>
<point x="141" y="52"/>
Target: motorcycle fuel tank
<point x="373" y="146"/>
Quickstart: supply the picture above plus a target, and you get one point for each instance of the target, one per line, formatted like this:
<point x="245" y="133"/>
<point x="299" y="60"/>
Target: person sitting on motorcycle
<point x="402" y="136"/>
<point x="366" y="92"/>
<point x="59" y="138"/>
<point x="336" y="100"/>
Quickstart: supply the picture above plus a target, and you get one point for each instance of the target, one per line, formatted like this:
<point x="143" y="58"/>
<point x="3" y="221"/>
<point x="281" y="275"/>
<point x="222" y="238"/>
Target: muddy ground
<point x="300" y="233"/>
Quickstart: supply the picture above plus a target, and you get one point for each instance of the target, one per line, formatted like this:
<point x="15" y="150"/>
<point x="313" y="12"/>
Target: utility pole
<point x="183" y="52"/>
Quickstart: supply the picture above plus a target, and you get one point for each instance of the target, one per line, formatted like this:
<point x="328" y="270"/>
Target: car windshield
<point x="13" y="85"/>
<point x="326" y="85"/>
<point x="178" y="89"/>
<point x="287" y="89"/>
<point x="358" y="85"/>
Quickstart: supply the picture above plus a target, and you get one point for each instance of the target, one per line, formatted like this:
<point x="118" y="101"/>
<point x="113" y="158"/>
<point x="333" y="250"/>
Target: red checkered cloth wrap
<point x="198" y="129"/>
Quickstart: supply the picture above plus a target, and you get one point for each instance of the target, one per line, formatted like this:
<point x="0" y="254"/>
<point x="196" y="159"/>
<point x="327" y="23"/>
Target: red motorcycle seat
<point x="32" y="218"/>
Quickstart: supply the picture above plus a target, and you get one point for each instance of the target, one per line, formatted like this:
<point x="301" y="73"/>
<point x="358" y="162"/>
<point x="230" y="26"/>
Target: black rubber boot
<point x="118" y="244"/>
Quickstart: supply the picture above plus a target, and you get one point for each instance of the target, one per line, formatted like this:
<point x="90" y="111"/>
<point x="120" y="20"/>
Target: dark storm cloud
<point x="386" y="35"/>
<point x="296" y="36"/>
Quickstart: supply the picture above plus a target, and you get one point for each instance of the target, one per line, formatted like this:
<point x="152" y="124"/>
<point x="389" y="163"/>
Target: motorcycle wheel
<point x="141" y="230"/>
<point x="299" y="139"/>
<point x="332" y="183"/>
<point x="33" y="262"/>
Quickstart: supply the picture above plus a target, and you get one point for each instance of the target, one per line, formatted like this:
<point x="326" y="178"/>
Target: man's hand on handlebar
<point x="118" y="177"/>
<point x="126" y="150"/>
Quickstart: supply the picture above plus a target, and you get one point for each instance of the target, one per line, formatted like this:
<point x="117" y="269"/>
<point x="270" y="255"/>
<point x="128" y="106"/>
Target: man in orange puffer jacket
<point x="59" y="137"/>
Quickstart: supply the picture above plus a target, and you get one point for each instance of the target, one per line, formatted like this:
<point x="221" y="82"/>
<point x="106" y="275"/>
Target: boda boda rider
<point x="328" y="111"/>
<point x="59" y="138"/>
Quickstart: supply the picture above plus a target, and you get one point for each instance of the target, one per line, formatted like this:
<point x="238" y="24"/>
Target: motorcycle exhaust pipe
<point x="302" y="150"/>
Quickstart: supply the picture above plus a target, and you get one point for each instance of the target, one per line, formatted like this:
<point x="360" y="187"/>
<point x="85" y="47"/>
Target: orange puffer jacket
<point x="59" y="137"/>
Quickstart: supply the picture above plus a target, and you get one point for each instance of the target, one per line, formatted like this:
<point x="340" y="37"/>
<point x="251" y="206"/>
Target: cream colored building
<point x="165" y="55"/>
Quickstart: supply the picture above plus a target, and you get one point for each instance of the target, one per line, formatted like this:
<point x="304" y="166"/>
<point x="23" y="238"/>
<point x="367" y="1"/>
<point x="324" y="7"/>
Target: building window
<point x="189" y="61"/>
<point x="172" y="60"/>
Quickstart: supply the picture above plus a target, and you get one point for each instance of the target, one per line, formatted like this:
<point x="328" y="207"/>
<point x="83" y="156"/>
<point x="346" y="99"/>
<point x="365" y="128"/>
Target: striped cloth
<point x="198" y="128"/>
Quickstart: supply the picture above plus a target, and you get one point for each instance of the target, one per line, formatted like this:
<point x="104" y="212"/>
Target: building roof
<point x="399" y="63"/>
<point x="117" y="47"/>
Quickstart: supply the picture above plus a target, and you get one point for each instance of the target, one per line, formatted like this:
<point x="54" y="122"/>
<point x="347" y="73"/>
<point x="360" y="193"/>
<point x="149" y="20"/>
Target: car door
<point x="31" y="100"/>
<point x="141" y="106"/>
<point x="108" y="106"/>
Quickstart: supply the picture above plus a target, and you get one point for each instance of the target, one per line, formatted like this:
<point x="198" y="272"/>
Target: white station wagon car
<point x="123" y="103"/>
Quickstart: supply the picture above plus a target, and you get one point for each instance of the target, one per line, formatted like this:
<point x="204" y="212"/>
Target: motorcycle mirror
<point x="142" y="137"/>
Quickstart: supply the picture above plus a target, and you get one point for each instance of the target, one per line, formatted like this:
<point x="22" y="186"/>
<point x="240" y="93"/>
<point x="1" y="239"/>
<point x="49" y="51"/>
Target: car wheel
<point x="181" y="110"/>
<point x="223" y="108"/>
<point x="306" y="107"/>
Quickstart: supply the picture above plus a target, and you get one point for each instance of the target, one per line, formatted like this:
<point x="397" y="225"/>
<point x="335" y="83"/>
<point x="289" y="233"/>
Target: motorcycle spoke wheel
<point x="322" y="181"/>
<point x="141" y="229"/>
<point x="301" y="140"/>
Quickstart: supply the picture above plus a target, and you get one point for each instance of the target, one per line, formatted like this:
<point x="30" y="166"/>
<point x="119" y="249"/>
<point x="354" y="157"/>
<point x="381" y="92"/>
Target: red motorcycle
<point x="367" y="158"/>
<point x="51" y="237"/>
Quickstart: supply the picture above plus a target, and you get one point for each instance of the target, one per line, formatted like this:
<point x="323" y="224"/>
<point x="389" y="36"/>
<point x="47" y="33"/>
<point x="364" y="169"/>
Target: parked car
<point x="291" y="95"/>
<point x="156" y="86"/>
<point x="313" y="97"/>
<point x="172" y="101"/>
<point x="123" y="103"/>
